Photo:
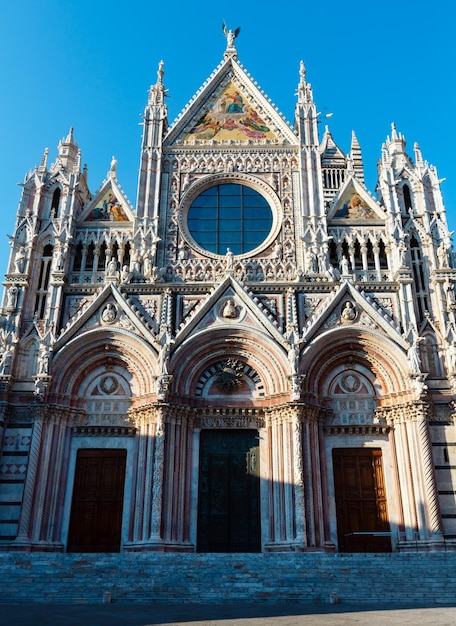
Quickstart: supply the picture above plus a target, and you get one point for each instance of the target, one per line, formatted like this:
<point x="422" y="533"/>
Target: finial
<point x="230" y="37"/>
<point x="157" y="91"/>
<point x="304" y="88"/>
<point x="160" y="72"/>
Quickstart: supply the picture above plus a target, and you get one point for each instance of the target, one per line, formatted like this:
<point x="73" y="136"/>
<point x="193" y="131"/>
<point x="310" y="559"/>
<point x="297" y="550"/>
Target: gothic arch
<point x="207" y="349"/>
<point x="27" y="361"/>
<point x="364" y="349"/>
<point x="120" y="350"/>
<point x="431" y="357"/>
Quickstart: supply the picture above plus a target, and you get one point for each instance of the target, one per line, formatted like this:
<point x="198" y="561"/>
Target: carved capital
<point x="407" y="412"/>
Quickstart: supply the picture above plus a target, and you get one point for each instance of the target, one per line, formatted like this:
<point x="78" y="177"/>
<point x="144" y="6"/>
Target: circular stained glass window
<point x="229" y="216"/>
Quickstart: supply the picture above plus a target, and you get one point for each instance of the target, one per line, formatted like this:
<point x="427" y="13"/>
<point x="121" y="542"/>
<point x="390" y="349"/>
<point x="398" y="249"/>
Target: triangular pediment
<point x="354" y="204"/>
<point x="229" y="305"/>
<point x="230" y="108"/>
<point x="108" y="205"/>
<point x="109" y="311"/>
<point x="348" y="307"/>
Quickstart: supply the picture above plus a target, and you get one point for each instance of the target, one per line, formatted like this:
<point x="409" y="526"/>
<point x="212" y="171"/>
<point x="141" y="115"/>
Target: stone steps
<point x="268" y="578"/>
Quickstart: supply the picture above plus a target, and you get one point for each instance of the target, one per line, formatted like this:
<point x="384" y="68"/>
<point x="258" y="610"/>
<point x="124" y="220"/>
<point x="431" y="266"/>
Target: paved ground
<point x="222" y="615"/>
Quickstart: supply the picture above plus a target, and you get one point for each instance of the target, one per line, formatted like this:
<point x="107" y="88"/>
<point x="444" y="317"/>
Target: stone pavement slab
<point x="223" y="615"/>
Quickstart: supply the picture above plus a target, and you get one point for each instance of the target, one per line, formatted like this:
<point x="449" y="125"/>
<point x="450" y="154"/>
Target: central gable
<point x="231" y="118"/>
<point x="230" y="108"/>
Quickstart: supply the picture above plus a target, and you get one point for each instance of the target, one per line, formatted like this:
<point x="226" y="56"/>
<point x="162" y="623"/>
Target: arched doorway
<point x="229" y="491"/>
<point x="97" y="502"/>
<point x="359" y="482"/>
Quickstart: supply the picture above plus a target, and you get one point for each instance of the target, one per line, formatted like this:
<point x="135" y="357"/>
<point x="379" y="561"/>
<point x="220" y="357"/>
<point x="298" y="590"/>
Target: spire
<point x="306" y="116"/>
<point x="396" y="145"/>
<point x="230" y="37"/>
<point x="357" y="158"/>
<point x="418" y="155"/>
<point x="70" y="136"/>
<point x="155" y="123"/>
<point x="157" y="91"/>
<point x="330" y="151"/>
<point x="44" y="160"/>
<point x="304" y="88"/>
<point x="69" y="155"/>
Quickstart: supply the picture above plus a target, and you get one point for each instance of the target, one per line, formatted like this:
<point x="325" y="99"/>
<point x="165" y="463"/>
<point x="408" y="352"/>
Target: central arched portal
<point x="229" y="491"/>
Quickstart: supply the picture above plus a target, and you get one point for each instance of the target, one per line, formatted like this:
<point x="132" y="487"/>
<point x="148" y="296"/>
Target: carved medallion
<point x="109" y="384"/>
<point x="229" y="375"/>
<point x="348" y="313"/>
<point x="109" y="314"/>
<point x="230" y="310"/>
<point x="350" y="383"/>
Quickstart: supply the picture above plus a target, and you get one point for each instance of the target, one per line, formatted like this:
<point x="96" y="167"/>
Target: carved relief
<point x="229" y="375"/>
<point x="352" y="399"/>
<point x="348" y="313"/>
<point x="109" y="314"/>
<point x="107" y="402"/>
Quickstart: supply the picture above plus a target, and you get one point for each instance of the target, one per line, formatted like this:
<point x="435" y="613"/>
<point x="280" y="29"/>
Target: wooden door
<point x="361" y="506"/>
<point x="229" y="492"/>
<point x="96" y="510"/>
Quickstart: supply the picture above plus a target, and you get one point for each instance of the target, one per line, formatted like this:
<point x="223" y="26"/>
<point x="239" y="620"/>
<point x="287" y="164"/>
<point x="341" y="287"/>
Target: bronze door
<point x="229" y="492"/>
<point x="96" y="510"/>
<point x="361" y="506"/>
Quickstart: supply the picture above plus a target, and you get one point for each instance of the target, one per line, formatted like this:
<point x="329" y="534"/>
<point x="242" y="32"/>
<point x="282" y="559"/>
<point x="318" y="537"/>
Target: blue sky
<point x="89" y="64"/>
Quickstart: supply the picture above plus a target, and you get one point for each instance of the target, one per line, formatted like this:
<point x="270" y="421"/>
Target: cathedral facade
<point x="260" y="356"/>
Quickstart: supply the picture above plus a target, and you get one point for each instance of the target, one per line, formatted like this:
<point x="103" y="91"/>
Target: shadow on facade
<point x="210" y="491"/>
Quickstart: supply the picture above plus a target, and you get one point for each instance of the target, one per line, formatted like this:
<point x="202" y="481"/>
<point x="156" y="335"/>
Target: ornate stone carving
<point x="163" y="384"/>
<point x="230" y="310"/>
<point x="228" y="421"/>
<point x="109" y="314"/>
<point x="401" y="413"/>
<point x="229" y="375"/>
<point x="104" y="431"/>
<point x="348" y="313"/>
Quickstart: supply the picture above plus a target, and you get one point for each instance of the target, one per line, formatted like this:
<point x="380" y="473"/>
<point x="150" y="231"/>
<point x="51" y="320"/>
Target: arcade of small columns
<point x="292" y="463"/>
<point x="365" y="251"/>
